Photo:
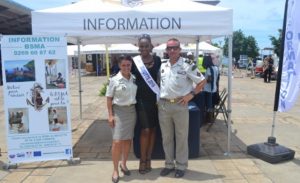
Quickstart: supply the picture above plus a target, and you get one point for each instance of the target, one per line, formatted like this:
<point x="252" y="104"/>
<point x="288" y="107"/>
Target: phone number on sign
<point x="21" y="52"/>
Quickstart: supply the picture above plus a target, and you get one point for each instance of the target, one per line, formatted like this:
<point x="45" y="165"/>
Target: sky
<point x="257" y="18"/>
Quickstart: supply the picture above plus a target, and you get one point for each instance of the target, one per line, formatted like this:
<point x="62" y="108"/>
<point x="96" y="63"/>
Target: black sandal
<point x="142" y="168"/>
<point x="148" y="165"/>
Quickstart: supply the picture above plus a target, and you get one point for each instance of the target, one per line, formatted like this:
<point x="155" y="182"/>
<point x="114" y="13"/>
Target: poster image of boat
<point x="55" y="73"/>
<point x="18" y="120"/>
<point x="58" y="120"/>
<point x="19" y="70"/>
<point x="36" y="99"/>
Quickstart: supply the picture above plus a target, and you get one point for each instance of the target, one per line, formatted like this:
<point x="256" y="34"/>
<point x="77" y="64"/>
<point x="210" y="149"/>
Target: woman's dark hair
<point x="124" y="57"/>
<point x="207" y="61"/>
<point x="144" y="36"/>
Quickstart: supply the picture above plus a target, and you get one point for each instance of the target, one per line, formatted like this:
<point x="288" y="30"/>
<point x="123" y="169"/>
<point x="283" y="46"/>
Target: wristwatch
<point x="193" y="93"/>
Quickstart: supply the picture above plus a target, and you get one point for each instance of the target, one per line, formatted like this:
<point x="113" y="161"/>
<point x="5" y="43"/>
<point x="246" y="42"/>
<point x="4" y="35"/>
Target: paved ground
<point x="252" y="116"/>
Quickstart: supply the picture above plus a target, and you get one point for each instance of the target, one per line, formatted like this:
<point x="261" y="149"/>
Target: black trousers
<point x="267" y="75"/>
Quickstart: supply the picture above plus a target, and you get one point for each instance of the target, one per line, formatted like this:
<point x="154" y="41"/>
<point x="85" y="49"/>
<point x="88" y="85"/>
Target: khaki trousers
<point x="174" y="121"/>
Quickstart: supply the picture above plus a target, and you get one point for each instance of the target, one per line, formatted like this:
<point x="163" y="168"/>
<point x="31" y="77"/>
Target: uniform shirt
<point x="207" y="86"/>
<point x="177" y="80"/>
<point x="122" y="90"/>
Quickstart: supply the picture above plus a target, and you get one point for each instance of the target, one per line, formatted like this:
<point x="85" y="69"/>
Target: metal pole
<point x="197" y="50"/>
<point x="229" y="94"/>
<point x="273" y="125"/>
<point x="79" y="77"/>
<point x="107" y="62"/>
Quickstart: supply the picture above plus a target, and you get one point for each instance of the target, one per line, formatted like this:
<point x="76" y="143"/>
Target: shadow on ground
<point x="95" y="143"/>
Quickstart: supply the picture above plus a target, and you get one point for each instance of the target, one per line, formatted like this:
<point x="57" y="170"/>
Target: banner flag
<point x="36" y="98"/>
<point x="290" y="75"/>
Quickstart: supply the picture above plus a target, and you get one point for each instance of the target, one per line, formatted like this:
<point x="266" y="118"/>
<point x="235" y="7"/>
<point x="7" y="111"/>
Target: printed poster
<point x="36" y="98"/>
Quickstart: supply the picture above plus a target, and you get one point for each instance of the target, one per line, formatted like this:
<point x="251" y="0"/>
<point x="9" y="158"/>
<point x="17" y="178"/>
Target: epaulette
<point x="164" y="60"/>
<point x="114" y="74"/>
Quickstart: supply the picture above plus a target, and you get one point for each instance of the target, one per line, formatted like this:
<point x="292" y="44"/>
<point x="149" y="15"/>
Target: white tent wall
<point x="104" y="22"/>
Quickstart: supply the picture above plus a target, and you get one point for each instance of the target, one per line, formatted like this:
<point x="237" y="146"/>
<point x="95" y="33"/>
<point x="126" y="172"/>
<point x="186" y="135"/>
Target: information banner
<point x="36" y="98"/>
<point x="290" y="76"/>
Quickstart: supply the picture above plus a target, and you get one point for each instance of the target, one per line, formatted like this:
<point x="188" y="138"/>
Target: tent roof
<point x="99" y="21"/>
<point x="14" y="18"/>
<point x="203" y="46"/>
<point x="100" y="48"/>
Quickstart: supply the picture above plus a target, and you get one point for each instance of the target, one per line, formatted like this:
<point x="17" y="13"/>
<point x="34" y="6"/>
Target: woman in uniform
<point x="147" y="113"/>
<point x="121" y="93"/>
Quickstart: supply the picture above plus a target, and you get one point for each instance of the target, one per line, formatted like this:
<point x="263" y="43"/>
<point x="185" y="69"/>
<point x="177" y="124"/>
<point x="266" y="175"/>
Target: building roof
<point x="14" y="18"/>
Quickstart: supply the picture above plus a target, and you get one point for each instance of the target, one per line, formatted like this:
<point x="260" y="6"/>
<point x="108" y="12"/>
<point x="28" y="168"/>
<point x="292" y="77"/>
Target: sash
<point x="146" y="76"/>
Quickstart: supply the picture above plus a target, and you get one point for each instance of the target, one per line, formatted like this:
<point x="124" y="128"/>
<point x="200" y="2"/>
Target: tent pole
<point x="107" y="62"/>
<point x="79" y="77"/>
<point x="229" y="94"/>
<point x="197" y="50"/>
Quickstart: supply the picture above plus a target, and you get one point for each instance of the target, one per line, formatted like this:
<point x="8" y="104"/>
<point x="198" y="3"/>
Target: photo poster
<point x="36" y="98"/>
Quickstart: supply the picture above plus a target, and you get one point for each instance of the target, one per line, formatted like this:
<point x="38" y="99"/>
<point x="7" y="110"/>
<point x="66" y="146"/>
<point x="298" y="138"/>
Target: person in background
<point x="200" y="64"/>
<point x="190" y="56"/>
<point x="211" y="76"/>
<point x="267" y="69"/>
<point x="121" y="93"/>
<point x="251" y="67"/>
<point x="177" y="76"/>
<point x="270" y="69"/>
<point x="147" y="114"/>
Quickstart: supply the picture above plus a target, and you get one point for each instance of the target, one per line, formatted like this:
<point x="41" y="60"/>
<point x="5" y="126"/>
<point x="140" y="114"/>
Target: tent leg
<point x="79" y="78"/>
<point x="107" y="62"/>
<point x="229" y="94"/>
<point x="197" y="50"/>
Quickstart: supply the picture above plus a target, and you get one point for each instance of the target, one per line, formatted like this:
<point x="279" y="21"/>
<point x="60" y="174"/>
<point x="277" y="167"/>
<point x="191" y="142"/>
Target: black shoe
<point x="115" y="180"/>
<point x="179" y="173"/>
<point x="166" y="171"/>
<point x="125" y="172"/>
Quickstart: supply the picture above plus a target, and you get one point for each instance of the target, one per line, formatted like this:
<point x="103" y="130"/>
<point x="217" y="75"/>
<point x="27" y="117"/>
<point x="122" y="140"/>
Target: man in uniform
<point x="177" y="76"/>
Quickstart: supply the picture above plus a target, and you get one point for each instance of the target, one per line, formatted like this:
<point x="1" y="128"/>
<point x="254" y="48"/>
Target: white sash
<point x="146" y="75"/>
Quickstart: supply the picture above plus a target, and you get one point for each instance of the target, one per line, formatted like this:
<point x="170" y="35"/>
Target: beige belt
<point x="175" y="100"/>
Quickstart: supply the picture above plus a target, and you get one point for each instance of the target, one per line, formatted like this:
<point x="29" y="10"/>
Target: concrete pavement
<point x="252" y="115"/>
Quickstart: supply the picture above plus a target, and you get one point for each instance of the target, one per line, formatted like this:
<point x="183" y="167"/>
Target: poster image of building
<point x="19" y="70"/>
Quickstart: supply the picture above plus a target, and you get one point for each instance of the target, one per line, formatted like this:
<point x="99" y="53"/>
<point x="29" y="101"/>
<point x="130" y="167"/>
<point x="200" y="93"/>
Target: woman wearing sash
<point x="147" y="113"/>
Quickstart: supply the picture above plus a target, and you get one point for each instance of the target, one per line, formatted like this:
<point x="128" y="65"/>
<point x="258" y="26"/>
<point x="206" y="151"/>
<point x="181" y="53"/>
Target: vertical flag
<point x="288" y="83"/>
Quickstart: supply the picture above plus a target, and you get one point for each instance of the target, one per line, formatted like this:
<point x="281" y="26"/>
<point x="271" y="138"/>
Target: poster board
<point x="36" y="98"/>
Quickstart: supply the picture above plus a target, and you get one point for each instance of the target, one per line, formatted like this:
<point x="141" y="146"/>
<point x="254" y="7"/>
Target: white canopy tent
<point x="100" y="48"/>
<point x="206" y="47"/>
<point x="100" y="21"/>
<point x="203" y="47"/>
<point x="106" y="22"/>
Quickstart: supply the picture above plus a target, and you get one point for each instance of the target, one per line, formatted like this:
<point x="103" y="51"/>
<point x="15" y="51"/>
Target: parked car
<point x="243" y="61"/>
<point x="259" y="67"/>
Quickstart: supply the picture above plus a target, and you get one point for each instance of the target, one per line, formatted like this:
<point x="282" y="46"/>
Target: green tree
<point x="241" y="45"/>
<point x="276" y="42"/>
<point x="252" y="48"/>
